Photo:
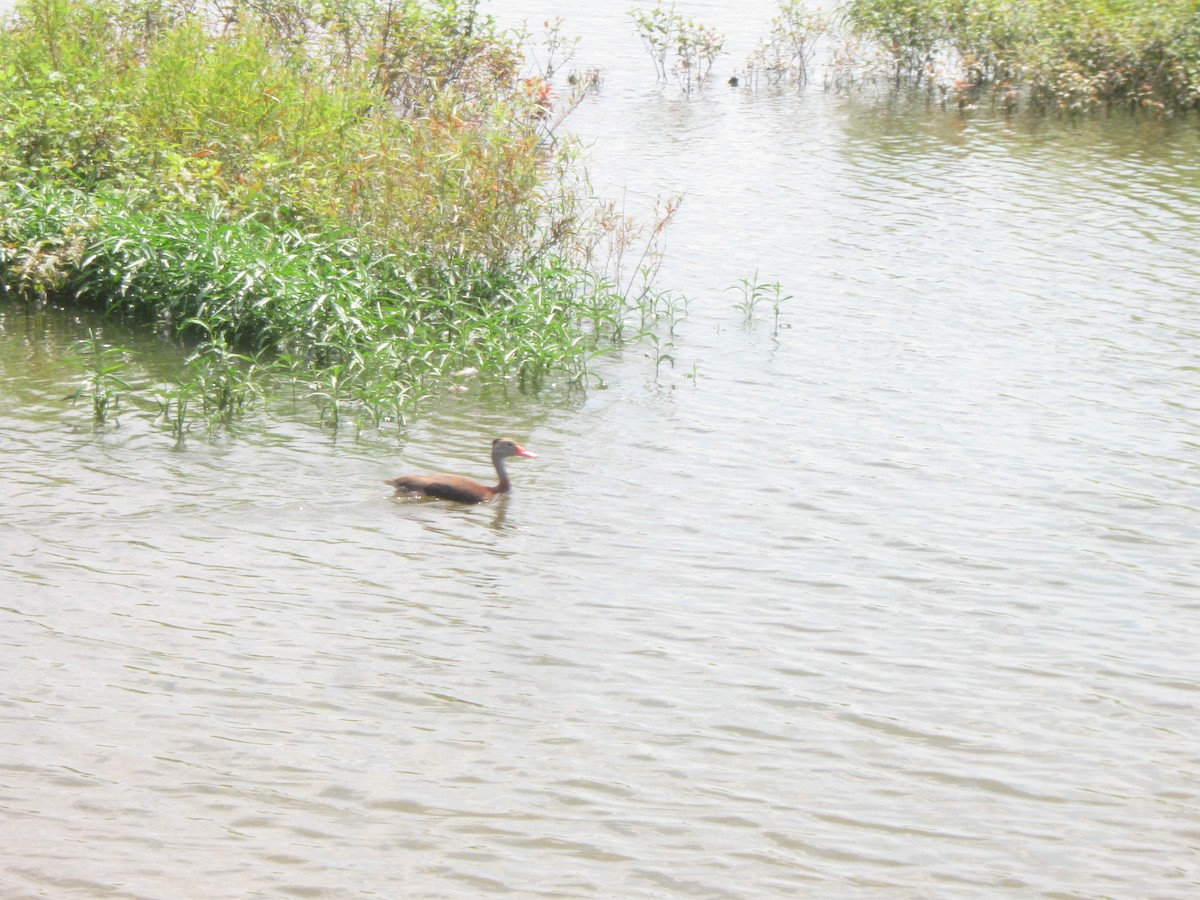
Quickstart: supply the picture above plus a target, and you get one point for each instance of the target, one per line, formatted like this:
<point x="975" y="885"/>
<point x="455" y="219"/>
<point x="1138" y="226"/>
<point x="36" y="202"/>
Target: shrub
<point x="365" y="189"/>
<point x="689" y="46"/>
<point x="1071" y="55"/>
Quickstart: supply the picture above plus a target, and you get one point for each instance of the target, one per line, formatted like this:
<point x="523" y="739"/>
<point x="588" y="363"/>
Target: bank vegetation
<point x="1075" y="56"/>
<point x="1070" y="55"/>
<point x="365" y="196"/>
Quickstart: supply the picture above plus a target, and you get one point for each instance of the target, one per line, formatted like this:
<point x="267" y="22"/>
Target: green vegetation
<point x="102" y="384"/>
<point x="356" y="201"/>
<point x="1071" y="55"/>
<point x="352" y="199"/>
<point x="679" y="47"/>
<point x="1075" y="56"/>
<point x="788" y="53"/>
<point x="754" y="293"/>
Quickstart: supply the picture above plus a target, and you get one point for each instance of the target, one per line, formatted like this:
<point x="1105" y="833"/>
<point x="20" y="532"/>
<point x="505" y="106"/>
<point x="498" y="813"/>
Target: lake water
<point x="901" y="599"/>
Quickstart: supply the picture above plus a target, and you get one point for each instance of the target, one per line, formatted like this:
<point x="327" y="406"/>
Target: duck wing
<point x="444" y="487"/>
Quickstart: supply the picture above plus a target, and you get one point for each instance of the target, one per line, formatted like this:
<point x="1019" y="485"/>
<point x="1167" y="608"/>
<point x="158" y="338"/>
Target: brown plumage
<point x="460" y="488"/>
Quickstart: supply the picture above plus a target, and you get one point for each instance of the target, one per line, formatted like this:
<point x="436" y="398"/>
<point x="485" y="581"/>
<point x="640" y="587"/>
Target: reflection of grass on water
<point x="355" y="200"/>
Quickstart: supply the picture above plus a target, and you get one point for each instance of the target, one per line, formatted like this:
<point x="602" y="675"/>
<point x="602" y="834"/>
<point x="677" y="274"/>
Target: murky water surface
<point x="900" y="599"/>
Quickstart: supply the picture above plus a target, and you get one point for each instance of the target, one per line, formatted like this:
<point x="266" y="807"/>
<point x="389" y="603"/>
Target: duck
<point x="459" y="488"/>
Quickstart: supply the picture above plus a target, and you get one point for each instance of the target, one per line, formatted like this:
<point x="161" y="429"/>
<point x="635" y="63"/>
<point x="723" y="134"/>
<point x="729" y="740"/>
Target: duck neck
<point x="505" y="485"/>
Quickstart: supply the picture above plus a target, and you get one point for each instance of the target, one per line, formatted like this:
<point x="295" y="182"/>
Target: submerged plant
<point x="683" y="48"/>
<point x="173" y="405"/>
<point x="102" y="384"/>
<point x="788" y="53"/>
<point x="755" y="293"/>
<point x="222" y="380"/>
<point x="661" y="354"/>
<point x="1074" y="57"/>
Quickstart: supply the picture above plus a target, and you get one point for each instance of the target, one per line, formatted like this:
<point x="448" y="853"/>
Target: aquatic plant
<point x="654" y="27"/>
<point x="787" y="54"/>
<point x="173" y="405"/>
<point x="102" y="384"/>
<point x="263" y="315"/>
<point x="1072" y="56"/>
<point x="679" y="47"/>
<point x="754" y="293"/>
<point x="660" y="354"/>
<point x="553" y="101"/>
<point x="222" y="379"/>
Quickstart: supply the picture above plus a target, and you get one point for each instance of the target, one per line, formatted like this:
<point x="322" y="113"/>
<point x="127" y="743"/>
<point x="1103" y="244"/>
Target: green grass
<point x="355" y="329"/>
<point x="360" y="198"/>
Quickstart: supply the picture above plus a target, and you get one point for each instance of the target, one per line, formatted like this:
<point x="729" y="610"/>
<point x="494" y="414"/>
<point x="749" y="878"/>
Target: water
<point x="900" y="600"/>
